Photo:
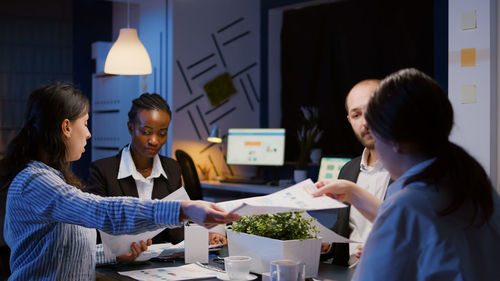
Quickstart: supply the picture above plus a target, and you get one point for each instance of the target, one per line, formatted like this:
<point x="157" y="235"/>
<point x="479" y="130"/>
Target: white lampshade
<point x="127" y="56"/>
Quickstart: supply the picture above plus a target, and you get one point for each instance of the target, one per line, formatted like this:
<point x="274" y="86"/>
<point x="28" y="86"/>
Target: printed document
<point x="183" y="272"/>
<point x="294" y="198"/>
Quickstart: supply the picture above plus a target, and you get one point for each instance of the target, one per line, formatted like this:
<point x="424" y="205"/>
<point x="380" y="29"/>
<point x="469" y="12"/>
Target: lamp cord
<point x="128" y="14"/>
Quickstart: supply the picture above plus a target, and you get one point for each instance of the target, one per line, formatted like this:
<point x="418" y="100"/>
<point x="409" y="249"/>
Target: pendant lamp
<point x="128" y="56"/>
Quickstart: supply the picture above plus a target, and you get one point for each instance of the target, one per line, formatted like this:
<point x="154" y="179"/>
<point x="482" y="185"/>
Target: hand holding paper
<point x="205" y="213"/>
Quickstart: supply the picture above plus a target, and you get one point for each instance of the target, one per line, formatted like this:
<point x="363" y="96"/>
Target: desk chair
<point x="189" y="175"/>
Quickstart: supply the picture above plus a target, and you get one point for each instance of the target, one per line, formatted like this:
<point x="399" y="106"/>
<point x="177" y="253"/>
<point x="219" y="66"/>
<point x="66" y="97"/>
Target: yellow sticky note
<point x="468" y="57"/>
<point x="468" y="94"/>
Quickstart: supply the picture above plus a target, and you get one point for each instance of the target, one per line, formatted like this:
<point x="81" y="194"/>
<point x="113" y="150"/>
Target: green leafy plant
<point x="308" y="135"/>
<point x="283" y="226"/>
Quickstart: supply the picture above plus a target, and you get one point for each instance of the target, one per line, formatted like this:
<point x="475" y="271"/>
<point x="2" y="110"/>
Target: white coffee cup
<point x="237" y="267"/>
<point x="287" y="270"/>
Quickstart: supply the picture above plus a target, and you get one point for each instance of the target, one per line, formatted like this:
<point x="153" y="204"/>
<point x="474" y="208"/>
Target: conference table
<point x="110" y="272"/>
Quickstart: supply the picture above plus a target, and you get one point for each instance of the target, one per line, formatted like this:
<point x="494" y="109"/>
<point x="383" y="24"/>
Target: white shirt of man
<point x="144" y="185"/>
<point x="375" y="180"/>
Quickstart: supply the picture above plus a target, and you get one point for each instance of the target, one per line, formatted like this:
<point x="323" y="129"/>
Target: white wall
<point x="475" y="123"/>
<point x="196" y="32"/>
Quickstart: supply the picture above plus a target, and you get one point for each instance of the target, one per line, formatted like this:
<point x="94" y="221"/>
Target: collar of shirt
<point x="363" y="165"/>
<point x="127" y="167"/>
<point x="398" y="184"/>
<point x="41" y="165"/>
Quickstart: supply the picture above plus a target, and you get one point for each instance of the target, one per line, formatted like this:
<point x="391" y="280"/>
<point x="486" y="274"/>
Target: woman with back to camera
<point x="441" y="218"/>
<point x="138" y="170"/>
<point x="49" y="221"/>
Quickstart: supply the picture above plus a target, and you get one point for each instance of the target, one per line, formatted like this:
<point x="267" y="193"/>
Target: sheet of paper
<point x="295" y="198"/>
<point x="183" y="272"/>
<point x="116" y="245"/>
<point x="469" y="20"/>
<point x="155" y="250"/>
<point x="468" y="94"/>
<point x="327" y="235"/>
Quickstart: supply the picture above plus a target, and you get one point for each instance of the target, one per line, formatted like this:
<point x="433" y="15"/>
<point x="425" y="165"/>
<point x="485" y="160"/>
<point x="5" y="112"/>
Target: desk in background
<point x="216" y="191"/>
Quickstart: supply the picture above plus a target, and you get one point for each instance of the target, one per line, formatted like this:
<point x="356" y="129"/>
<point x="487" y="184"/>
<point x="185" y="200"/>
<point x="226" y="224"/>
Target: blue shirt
<point x="411" y="241"/>
<point x="49" y="224"/>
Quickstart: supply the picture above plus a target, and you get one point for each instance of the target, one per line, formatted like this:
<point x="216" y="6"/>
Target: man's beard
<point x="367" y="143"/>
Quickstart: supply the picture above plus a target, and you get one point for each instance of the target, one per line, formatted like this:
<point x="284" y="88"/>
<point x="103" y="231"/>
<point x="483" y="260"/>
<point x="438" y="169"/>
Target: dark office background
<point x="327" y="49"/>
<point x="323" y="55"/>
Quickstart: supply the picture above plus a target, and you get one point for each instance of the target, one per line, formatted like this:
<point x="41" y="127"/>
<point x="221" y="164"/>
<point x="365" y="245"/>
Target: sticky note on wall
<point x="468" y="57"/>
<point x="468" y="94"/>
<point x="469" y="20"/>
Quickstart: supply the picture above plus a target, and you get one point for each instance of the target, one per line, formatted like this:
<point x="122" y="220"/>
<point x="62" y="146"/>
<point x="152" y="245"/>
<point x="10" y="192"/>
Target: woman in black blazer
<point x="138" y="170"/>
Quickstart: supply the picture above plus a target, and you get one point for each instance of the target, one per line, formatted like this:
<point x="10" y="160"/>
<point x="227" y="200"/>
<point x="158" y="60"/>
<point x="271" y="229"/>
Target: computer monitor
<point x="259" y="147"/>
<point x="330" y="167"/>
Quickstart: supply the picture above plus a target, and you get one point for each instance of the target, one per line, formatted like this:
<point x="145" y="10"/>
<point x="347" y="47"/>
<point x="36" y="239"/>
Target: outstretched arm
<point x="347" y="191"/>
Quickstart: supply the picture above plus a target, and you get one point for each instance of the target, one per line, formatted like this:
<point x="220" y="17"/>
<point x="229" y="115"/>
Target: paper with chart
<point x="116" y="245"/>
<point x="294" y="198"/>
<point x="183" y="272"/>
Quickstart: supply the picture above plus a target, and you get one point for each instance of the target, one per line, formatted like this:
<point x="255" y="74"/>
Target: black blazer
<point x="340" y="251"/>
<point x="102" y="181"/>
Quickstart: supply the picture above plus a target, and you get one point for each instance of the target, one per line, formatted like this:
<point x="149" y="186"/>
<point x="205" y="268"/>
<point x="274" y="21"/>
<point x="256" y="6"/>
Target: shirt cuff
<point x="167" y="212"/>
<point x="101" y="258"/>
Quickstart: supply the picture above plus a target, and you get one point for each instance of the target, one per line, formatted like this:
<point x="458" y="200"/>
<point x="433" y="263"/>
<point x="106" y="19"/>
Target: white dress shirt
<point x="144" y="185"/>
<point x="411" y="241"/>
<point x="375" y="180"/>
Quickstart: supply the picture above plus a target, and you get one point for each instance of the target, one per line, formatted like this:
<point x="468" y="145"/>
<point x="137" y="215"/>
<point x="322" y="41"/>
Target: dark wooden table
<point x="110" y="272"/>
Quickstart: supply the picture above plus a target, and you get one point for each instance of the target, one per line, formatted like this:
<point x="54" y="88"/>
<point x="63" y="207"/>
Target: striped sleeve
<point x="52" y="198"/>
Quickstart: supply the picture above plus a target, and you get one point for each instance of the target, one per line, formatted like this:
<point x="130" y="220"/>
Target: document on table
<point x="183" y="272"/>
<point x="294" y="198"/>
<point x="116" y="245"/>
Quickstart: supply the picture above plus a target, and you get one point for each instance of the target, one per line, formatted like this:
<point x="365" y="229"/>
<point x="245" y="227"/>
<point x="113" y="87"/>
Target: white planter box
<point x="263" y="250"/>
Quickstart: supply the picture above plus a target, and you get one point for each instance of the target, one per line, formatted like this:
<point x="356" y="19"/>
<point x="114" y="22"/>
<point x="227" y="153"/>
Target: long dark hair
<point x="148" y="101"/>
<point x="46" y="109"/>
<point x="409" y="106"/>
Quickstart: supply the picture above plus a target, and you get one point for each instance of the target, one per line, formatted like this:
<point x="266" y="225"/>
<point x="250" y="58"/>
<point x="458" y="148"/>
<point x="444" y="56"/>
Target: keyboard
<point x="243" y="181"/>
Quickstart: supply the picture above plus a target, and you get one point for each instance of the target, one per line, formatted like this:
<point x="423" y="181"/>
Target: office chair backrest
<point x="189" y="174"/>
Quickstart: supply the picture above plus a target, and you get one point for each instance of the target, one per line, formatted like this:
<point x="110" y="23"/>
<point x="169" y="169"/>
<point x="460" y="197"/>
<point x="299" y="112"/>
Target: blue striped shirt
<point x="49" y="225"/>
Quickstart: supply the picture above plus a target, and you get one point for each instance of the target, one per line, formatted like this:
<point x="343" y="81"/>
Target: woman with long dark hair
<point x="441" y="218"/>
<point x="49" y="222"/>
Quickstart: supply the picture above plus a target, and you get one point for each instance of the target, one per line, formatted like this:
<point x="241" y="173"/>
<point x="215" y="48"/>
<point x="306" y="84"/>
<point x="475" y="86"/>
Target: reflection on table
<point x="110" y="272"/>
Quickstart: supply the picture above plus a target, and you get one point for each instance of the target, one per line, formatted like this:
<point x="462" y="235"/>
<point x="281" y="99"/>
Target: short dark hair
<point x="148" y="101"/>
<point x="409" y="106"/>
<point x="46" y="109"/>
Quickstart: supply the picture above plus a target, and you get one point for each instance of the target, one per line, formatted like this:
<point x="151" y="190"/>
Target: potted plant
<point x="274" y="237"/>
<point x="308" y="135"/>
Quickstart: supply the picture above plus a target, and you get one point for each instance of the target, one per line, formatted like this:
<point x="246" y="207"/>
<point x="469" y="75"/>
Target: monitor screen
<point x="330" y="167"/>
<point x="264" y="147"/>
